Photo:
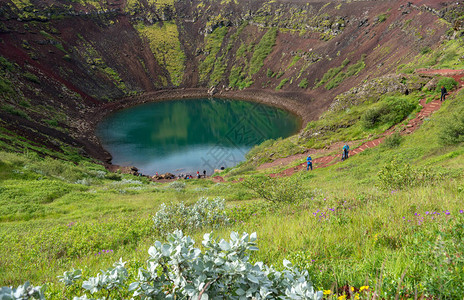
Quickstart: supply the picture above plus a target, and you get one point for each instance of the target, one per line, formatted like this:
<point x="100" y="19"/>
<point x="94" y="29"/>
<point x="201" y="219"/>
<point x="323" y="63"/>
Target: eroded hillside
<point x="64" y="62"/>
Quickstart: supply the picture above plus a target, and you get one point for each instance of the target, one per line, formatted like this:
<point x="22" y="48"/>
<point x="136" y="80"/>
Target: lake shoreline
<point x="294" y="106"/>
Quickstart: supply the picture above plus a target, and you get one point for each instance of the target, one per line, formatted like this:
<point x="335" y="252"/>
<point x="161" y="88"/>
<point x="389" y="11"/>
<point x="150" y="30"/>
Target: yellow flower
<point x="342" y="297"/>
<point x="364" y="287"/>
<point x="356" y="296"/>
<point x="327" y="292"/>
<point x="352" y="289"/>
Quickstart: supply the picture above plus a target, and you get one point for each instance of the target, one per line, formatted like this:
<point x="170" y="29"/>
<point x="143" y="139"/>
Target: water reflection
<point x="189" y="135"/>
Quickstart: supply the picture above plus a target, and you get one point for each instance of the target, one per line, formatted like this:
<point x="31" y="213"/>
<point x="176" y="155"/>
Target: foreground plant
<point x="178" y="270"/>
<point x="23" y="292"/>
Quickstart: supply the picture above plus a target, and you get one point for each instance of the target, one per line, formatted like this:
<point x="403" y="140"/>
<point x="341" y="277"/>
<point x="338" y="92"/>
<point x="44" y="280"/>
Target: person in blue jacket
<point x="309" y="161"/>
<point x="346" y="149"/>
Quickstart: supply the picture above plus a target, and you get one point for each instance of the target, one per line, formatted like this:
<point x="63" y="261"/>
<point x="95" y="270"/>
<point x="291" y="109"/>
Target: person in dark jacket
<point x="444" y="92"/>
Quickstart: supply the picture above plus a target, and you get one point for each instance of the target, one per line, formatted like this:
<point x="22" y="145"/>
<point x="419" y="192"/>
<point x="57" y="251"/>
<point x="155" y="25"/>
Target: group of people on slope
<point x="346" y="148"/>
<point x="309" y="160"/>
<point x="188" y="176"/>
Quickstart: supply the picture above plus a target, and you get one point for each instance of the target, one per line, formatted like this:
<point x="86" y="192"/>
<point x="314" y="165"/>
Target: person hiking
<point x="444" y="92"/>
<point x="309" y="161"/>
<point x="204" y="173"/>
<point x="198" y="174"/>
<point x="346" y="148"/>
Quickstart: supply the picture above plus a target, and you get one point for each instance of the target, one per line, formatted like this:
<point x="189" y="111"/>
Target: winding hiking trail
<point x="328" y="160"/>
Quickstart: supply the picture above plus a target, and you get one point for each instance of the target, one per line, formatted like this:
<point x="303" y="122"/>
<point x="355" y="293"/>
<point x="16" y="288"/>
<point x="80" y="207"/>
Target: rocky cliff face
<point x="61" y="60"/>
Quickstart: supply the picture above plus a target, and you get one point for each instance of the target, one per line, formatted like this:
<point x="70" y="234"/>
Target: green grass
<point x="165" y="45"/>
<point x="303" y="83"/>
<point x="446" y="56"/>
<point x="282" y="83"/>
<point x="14" y="111"/>
<point x="57" y="215"/>
<point x="356" y="228"/>
<point x="262" y="50"/>
<point x="334" y="76"/>
<point x="213" y="44"/>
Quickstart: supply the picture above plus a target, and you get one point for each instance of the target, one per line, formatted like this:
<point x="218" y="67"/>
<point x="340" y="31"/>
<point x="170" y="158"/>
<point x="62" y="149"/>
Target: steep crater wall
<point x="65" y="64"/>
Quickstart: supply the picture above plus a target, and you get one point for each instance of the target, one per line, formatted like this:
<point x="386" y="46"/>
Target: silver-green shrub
<point x="179" y="216"/>
<point x="22" y="292"/>
<point x="178" y="270"/>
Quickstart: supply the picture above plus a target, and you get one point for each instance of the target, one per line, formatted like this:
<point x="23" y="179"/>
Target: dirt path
<point x="328" y="160"/>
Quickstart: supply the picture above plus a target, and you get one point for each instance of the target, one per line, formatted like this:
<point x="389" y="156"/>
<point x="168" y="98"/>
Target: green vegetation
<point x="238" y="78"/>
<point x="213" y="44"/>
<point x="204" y="213"/>
<point x="295" y="59"/>
<point x="282" y="83"/>
<point x="447" y="82"/>
<point x="386" y="223"/>
<point x="262" y="50"/>
<point x="447" y="56"/>
<point x="388" y="112"/>
<point x="303" y="83"/>
<point x="14" y="111"/>
<point x="382" y="18"/>
<point x="31" y="77"/>
<point x="331" y="73"/>
<point x="165" y="45"/>
<point x="95" y="60"/>
<point x="335" y="76"/>
<point x="6" y="89"/>
<point x="279" y="191"/>
<point x="453" y="126"/>
<point x="380" y="213"/>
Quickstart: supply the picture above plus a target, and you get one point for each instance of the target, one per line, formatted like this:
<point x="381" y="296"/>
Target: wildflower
<point x="364" y="287"/>
<point x="356" y="296"/>
<point x="461" y="211"/>
<point x="352" y="289"/>
<point x="342" y="297"/>
<point x="327" y="292"/>
<point x="426" y="212"/>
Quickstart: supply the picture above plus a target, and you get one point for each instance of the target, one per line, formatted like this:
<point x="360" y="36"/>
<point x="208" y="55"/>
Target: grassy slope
<point x="365" y="233"/>
<point x="56" y="216"/>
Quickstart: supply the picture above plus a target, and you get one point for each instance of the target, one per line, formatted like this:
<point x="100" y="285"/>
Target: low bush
<point x="177" y="185"/>
<point x="447" y="82"/>
<point x="203" y="213"/>
<point x="393" y="140"/>
<point x="31" y="77"/>
<point x="113" y="176"/>
<point x="397" y="175"/>
<point x="284" y="190"/>
<point x="452" y="129"/>
<point x="388" y="112"/>
<point x="303" y="83"/>
<point x="282" y="83"/>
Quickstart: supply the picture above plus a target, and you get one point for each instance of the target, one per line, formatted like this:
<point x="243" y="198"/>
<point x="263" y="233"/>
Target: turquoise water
<point x="185" y="136"/>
